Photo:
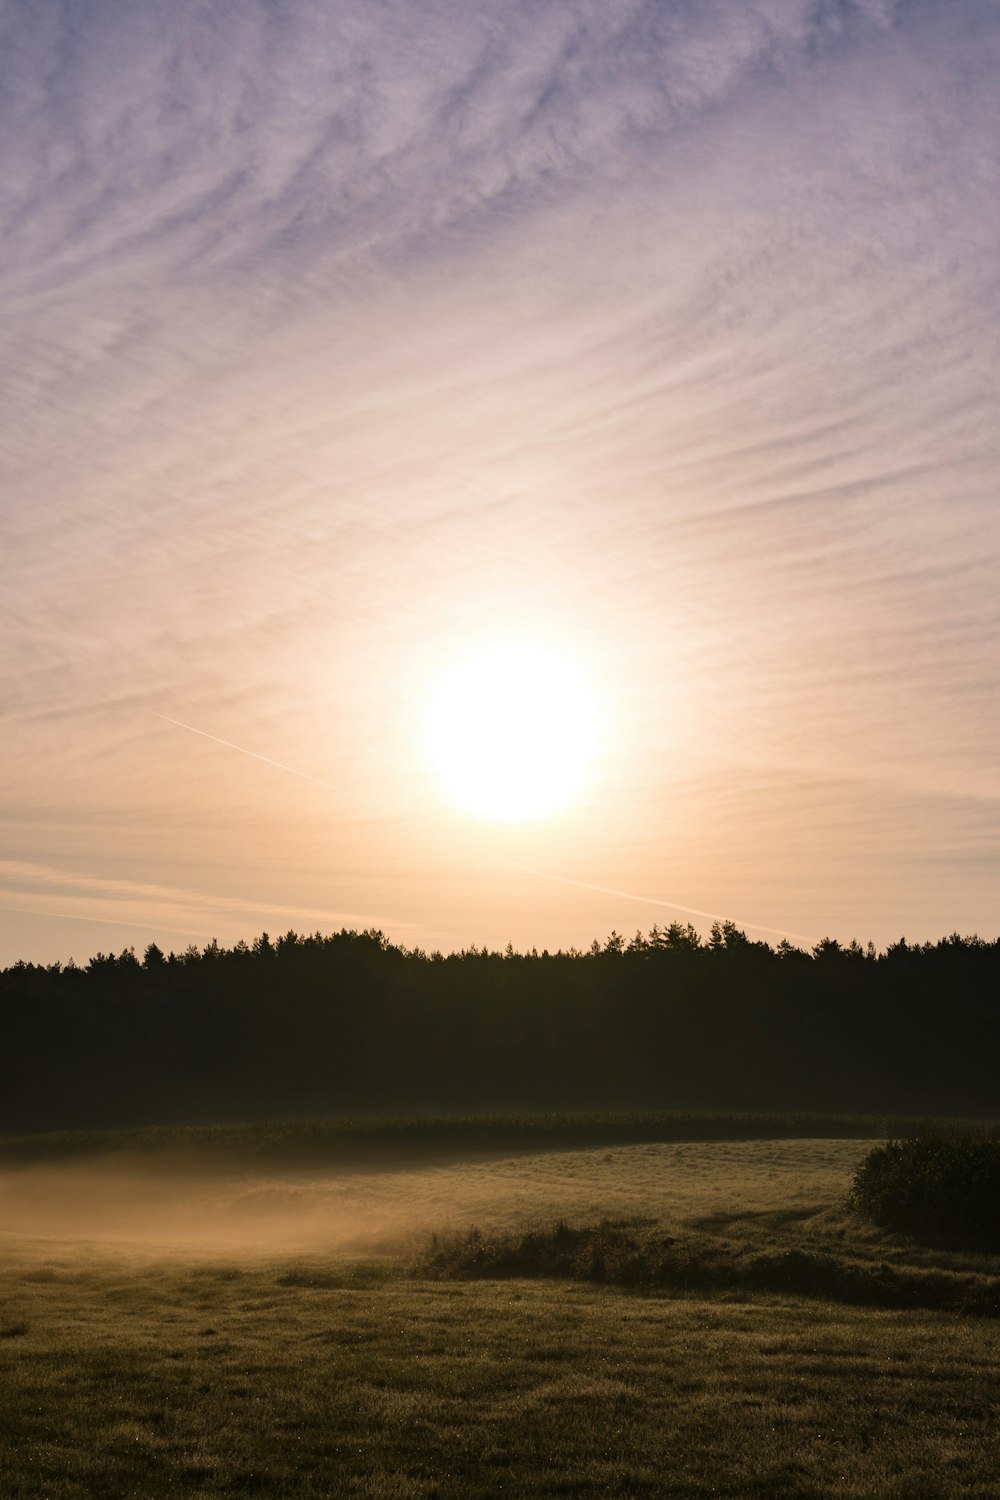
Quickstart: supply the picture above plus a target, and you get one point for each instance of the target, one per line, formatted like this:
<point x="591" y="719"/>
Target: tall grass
<point x="641" y="1253"/>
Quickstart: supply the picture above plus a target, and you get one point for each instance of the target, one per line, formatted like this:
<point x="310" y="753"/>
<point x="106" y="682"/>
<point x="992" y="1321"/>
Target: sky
<point x="345" y="342"/>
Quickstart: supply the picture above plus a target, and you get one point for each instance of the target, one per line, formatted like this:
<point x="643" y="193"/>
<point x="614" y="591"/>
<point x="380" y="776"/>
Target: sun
<point x="512" y="731"/>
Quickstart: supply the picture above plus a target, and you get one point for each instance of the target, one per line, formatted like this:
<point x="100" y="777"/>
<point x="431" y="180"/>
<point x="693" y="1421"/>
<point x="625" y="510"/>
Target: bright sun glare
<point x="513" y="731"/>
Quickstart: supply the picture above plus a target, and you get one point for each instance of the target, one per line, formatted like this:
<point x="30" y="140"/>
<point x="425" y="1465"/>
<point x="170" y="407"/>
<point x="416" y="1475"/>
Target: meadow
<point x="176" y="1320"/>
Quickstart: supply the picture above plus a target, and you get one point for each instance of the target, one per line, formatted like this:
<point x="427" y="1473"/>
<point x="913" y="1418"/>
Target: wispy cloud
<point x="334" y="333"/>
<point x="43" y="890"/>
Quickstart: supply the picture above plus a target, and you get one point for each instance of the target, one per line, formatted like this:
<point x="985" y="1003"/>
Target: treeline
<point x="310" y="1025"/>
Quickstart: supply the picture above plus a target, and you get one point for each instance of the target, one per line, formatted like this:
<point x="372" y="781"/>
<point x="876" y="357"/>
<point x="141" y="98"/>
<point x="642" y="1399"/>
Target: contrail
<point x="277" y="764"/>
<point x="692" y="911"/>
<point x="72" y="916"/>
<point x="583" y="885"/>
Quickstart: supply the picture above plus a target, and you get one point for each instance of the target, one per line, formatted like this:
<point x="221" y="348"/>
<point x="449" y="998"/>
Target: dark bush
<point x="934" y="1185"/>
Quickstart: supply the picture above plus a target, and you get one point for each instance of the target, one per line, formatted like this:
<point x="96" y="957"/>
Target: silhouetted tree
<point x="350" y="1021"/>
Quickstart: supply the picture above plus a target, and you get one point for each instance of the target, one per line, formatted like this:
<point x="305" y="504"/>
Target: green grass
<point x="340" y="1140"/>
<point x="739" y="1343"/>
<point x="220" y="1380"/>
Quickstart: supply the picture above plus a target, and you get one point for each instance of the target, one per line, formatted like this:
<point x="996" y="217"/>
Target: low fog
<point x="214" y="1208"/>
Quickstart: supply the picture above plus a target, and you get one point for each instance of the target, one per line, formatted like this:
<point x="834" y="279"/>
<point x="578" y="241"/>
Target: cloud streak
<point x="337" y="334"/>
<point x="36" y="889"/>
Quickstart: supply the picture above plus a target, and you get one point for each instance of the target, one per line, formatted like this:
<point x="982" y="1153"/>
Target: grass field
<point x="352" y="1208"/>
<point x="375" y="1140"/>
<point x="254" y="1332"/>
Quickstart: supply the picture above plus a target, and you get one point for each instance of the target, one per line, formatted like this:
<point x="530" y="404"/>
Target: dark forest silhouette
<point x="308" y="1025"/>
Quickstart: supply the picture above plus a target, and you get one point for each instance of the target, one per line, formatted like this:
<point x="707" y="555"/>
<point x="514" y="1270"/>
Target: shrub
<point x="934" y="1185"/>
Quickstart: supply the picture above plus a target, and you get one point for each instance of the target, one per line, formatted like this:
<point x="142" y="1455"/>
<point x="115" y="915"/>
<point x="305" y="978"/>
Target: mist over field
<point x="226" y="1311"/>
<point x="218" y="1209"/>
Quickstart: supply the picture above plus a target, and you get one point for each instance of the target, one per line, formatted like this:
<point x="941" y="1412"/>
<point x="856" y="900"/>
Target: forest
<point x="311" y="1025"/>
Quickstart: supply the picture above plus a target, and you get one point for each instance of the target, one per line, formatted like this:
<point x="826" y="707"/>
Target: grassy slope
<point x="333" y="1141"/>
<point x="124" y="1373"/>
